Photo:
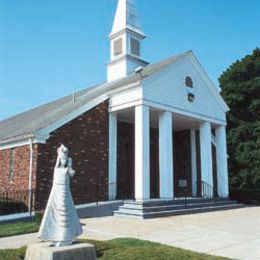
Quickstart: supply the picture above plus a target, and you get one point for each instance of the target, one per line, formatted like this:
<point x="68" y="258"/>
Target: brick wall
<point x="21" y="161"/>
<point x="17" y="188"/>
<point x="87" y="140"/>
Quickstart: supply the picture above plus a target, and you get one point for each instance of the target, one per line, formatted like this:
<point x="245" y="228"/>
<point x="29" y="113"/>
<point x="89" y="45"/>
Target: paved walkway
<point x="234" y="233"/>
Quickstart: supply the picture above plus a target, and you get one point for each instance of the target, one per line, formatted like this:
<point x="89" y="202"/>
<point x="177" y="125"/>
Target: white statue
<point x="60" y="223"/>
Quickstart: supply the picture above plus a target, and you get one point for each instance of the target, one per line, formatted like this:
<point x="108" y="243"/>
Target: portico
<point x="143" y="120"/>
<point x="166" y="128"/>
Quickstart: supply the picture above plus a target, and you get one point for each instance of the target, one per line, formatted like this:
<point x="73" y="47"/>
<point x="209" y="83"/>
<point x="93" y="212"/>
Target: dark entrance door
<point x="125" y="161"/>
<point x="131" y="166"/>
<point x="214" y="171"/>
<point x="154" y="163"/>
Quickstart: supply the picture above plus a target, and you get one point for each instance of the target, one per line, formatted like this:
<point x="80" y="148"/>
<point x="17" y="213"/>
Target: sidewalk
<point x="233" y="233"/>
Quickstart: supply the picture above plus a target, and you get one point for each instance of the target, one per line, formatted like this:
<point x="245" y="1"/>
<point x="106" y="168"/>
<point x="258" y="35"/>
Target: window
<point x="118" y="47"/>
<point x="191" y="97"/>
<point x="135" y="47"/>
<point x="189" y="88"/>
<point x="188" y="82"/>
<point x="11" y="165"/>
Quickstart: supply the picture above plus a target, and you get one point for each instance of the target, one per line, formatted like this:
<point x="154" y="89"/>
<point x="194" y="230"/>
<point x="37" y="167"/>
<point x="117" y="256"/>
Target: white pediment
<point x="167" y="88"/>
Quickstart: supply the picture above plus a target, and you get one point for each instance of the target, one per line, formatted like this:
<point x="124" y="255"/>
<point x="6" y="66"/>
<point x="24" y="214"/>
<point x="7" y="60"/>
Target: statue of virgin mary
<point x="60" y="223"/>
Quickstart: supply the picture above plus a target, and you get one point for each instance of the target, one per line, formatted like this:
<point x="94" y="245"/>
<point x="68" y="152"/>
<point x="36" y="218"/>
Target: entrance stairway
<point x="178" y="206"/>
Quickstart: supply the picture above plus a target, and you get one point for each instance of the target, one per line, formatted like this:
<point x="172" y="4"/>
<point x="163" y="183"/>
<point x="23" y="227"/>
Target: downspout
<point x="30" y="176"/>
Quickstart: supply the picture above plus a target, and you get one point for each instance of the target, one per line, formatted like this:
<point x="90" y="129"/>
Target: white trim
<point x="183" y="112"/>
<point x="172" y="109"/>
<point x="20" y="143"/>
<point x="133" y="103"/>
<point x="124" y="87"/>
<point x="46" y="131"/>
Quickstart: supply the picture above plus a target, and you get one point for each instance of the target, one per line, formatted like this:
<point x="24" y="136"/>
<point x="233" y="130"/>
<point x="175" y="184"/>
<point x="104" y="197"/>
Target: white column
<point x="166" y="155"/>
<point x="112" y="175"/>
<point x="193" y="162"/>
<point x="142" y="153"/>
<point x="206" y="156"/>
<point x="222" y="165"/>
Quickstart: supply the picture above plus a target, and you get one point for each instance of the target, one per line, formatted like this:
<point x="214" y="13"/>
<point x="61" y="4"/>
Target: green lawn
<point x="12" y="254"/>
<point x="117" y="249"/>
<point x="19" y="228"/>
<point x="127" y="249"/>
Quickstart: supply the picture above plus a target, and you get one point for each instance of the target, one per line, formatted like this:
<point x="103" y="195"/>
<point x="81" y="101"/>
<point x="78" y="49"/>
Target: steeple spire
<point x="125" y="38"/>
<point x="126" y="17"/>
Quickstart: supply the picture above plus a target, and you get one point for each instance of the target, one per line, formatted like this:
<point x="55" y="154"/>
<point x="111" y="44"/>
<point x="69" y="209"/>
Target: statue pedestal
<point x="43" y="251"/>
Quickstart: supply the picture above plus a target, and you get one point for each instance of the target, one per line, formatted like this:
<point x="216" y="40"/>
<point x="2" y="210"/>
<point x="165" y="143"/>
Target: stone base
<point x="77" y="251"/>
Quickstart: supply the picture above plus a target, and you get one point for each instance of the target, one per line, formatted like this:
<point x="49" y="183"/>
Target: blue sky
<point x="51" y="48"/>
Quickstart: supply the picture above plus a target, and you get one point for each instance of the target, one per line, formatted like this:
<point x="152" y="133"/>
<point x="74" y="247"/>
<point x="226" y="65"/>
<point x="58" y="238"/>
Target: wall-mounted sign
<point x="183" y="183"/>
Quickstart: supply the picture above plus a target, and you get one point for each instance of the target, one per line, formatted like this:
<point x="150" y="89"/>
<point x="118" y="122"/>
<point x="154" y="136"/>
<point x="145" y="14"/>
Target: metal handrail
<point x="207" y="190"/>
<point x="184" y="194"/>
<point x="81" y="195"/>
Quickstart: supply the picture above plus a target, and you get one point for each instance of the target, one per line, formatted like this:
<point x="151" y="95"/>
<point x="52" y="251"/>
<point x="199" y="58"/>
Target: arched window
<point x="188" y="82"/>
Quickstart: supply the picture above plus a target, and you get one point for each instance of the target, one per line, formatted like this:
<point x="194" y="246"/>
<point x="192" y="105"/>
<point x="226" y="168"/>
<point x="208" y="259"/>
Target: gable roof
<point x="26" y="124"/>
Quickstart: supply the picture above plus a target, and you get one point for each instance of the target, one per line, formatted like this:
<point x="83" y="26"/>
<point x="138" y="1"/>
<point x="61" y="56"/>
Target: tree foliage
<point x="241" y="89"/>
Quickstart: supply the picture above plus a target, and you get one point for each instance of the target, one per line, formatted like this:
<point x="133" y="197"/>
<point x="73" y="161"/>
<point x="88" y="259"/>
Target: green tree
<point x="241" y="89"/>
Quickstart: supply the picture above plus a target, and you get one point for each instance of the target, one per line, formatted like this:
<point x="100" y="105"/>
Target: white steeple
<point x="126" y="17"/>
<point x="125" y="39"/>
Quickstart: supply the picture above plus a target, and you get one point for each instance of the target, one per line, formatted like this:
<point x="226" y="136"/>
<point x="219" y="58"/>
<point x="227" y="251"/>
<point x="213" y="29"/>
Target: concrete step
<point x="165" y="213"/>
<point x="136" y="208"/>
<point x="176" y="201"/>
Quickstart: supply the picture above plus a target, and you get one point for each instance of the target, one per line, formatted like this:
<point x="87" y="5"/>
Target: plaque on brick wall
<point x="183" y="183"/>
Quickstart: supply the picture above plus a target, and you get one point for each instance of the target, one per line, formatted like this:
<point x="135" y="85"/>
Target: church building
<point x="151" y="131"/>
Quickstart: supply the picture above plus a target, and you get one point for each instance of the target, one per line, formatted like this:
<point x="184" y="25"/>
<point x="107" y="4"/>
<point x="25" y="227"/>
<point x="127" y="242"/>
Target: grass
<point x="130" y="249"/>
<point x="19" y="228"/>
<point x="12" y="254"/>
<point x="117" y="249"/>
<point x="127" y="249"/>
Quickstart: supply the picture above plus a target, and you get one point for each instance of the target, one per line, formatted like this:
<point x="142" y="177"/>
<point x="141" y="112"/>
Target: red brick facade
<point x="87" y="140"/>
<point x="20" y="168"/>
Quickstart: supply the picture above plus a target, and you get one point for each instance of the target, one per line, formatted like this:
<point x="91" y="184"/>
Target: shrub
<point x="10" y="206"/>
<point x="39" y="216"/>
<point x="247" y="196"/>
